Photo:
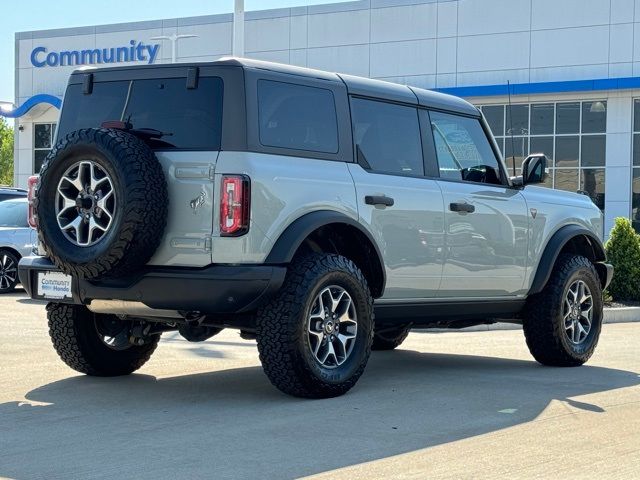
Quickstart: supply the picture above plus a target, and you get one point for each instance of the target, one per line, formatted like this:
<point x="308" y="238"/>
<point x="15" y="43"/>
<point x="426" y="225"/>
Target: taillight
<point x="32" y="184"/>
<point x="234" y="205"/>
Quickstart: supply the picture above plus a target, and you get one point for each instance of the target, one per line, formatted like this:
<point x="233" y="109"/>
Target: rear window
<point x="13" y="214"/>
<point x="297" y="117"/>
<point x="191" y="118"/>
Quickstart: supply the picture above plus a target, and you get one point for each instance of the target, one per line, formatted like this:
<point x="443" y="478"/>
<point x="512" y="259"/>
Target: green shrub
<point x="623" y="252"/>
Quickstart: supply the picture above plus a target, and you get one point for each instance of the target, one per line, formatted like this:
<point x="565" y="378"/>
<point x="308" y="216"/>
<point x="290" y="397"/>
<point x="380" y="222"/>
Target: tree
<point x="6" y="153"/>
<point x="623" y="252"/>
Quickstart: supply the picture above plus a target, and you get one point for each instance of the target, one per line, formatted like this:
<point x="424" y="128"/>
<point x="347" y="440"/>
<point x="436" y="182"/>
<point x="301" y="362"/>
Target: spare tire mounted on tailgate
<point x="101" y="203"/>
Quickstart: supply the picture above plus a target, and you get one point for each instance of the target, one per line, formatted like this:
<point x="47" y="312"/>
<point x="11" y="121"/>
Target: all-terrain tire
<point x="544" y="325"/>
<point x="389" y="338"/>
<point x="283" y="340"/>
<point x="8" y="271"/>
<point x="73" y="331"/>
<point x="140" y="211"/>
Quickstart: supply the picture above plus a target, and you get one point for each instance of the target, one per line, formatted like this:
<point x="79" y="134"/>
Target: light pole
<point x="237" y="48"/>
<point x="174" y="40"/>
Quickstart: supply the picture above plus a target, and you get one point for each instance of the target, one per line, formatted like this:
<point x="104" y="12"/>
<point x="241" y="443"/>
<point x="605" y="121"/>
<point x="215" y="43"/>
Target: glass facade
<point x="635" y="173"/>
<point x="43" y="135"/>
<point x="571" y="135"/>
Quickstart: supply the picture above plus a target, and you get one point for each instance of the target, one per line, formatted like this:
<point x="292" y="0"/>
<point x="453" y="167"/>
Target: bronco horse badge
<point x="197" y="202"/>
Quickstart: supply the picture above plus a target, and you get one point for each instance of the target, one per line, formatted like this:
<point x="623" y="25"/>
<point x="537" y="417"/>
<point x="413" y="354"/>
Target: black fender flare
<point x="553" y="248"/>
<point x="290" y="240"/>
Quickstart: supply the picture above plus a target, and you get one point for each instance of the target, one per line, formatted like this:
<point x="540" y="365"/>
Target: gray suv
<point x="323" y="215"/>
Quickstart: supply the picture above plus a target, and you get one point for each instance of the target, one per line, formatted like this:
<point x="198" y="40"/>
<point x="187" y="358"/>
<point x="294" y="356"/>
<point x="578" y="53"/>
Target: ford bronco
<point x="323" y="215"/>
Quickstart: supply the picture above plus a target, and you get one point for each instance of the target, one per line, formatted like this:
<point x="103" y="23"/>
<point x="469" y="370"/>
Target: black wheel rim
<point x="113" y="333"/>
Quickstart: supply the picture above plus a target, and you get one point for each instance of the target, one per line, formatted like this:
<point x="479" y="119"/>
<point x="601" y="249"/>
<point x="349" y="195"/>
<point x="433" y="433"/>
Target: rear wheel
<point x="388" y="338"/>
<point x="315" y="336"/>
<point x="562" y="323"/>
<point x="97" y="344"/>
<point x="8" y="271"/>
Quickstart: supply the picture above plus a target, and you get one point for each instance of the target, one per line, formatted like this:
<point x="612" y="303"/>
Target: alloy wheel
<point x="577" y="312"/>
<point x="85" y="203"/>
<point x="332" y="326"/>
<point x="8" y="272"/>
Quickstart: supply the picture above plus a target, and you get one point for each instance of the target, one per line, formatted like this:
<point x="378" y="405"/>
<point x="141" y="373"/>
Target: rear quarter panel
<point x="283" y="188"/>
<point x="189" y="178"/>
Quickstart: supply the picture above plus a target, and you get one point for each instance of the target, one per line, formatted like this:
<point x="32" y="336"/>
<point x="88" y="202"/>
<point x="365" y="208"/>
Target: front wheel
<point x="96" y="344"/>
<point x="315" y="336"/>
<point x="562" y="323"/>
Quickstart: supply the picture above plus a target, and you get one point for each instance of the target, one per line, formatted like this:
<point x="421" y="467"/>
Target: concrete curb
<point x="611" y="315"/>
<point x="622" y="315"/>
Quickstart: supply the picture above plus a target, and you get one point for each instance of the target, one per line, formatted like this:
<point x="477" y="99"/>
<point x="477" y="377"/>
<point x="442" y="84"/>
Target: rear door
<point x="486" y="222"/>
<point x="186" y="116"/>
<point x="401" y="206"/>
<point x="192" y="120"/>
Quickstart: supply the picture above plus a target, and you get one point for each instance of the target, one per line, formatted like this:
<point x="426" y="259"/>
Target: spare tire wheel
<point x="101" y="203"/>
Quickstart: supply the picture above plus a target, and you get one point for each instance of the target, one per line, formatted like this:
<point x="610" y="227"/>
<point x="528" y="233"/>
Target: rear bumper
<point x="213" y="289"/>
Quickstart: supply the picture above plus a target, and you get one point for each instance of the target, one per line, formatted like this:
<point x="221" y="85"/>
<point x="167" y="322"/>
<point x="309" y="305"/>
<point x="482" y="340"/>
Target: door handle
<point x="379" y="200"/>
<point x="462" y="207"/>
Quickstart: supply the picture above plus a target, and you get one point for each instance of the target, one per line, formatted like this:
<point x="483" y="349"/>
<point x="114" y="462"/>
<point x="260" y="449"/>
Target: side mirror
<point x="534" y="170"/>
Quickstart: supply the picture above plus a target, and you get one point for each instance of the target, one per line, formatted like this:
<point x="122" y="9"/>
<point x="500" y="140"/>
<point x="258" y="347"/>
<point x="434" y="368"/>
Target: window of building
<point x="43" y="136"/>
<point x="635" y="177"/>
<point x="297" y="117"/>
<point x="571" y="134"/>
<point x="463" y="149"/>
<point x="387" y="137"/>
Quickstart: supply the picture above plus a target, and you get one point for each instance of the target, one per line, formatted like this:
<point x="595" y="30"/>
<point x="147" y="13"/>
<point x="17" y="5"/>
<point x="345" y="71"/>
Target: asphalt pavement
<point x="445" y="405"/>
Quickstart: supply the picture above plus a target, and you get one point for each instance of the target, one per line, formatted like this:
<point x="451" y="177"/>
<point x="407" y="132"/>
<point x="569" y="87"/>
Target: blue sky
<point x="45" y="14"/>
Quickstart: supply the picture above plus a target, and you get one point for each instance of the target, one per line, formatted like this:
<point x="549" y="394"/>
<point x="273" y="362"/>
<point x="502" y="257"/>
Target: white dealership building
<point x="571" y="66"/>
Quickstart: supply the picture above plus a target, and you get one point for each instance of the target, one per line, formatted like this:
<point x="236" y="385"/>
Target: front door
<point x="486" y="222"/>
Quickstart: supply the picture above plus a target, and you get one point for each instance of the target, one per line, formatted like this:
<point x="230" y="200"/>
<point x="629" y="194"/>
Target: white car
<point x="16" y="240"/>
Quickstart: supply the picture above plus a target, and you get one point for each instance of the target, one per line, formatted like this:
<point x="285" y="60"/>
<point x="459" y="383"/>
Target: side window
<point x="463" y="149"/>
<point x="387" y="137"/>
<point x="297" y="117"/>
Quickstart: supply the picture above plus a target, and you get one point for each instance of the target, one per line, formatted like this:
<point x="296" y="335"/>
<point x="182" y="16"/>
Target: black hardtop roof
<point x="355" y="85"/>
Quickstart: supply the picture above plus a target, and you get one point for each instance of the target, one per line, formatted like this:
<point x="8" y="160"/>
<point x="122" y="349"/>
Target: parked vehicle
<point x="16" y="240"/>
<point x="7" y="193"/>
<point x="324" y="215"/>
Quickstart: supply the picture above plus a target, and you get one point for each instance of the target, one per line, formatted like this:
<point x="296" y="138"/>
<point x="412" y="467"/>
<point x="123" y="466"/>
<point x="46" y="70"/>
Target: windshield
<point x="13" y="214"/>
<point x="187" y="118"/>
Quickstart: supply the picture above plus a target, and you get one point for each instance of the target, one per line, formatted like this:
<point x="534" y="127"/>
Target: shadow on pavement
<point x="233" y="424"/>
<point x="31" y="301"/>
<point x="20" y="295"/>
